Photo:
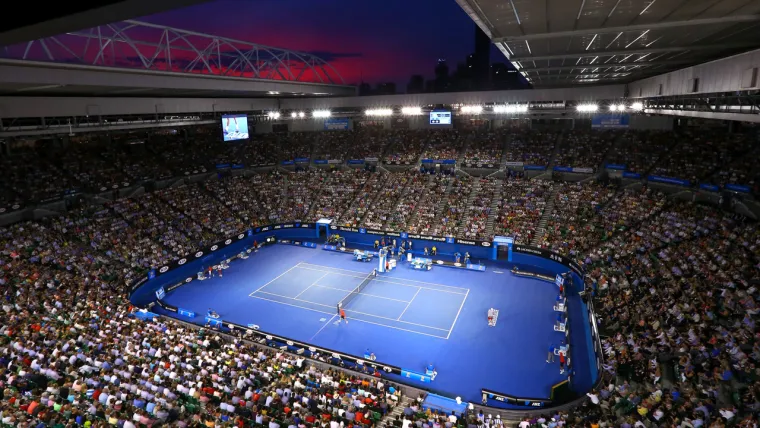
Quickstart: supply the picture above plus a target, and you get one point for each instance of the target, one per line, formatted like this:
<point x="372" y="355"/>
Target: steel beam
<point x="67" y="18"/>
<point x="716" y="47"/>
<point x="603" y="65"/>
<point x="641" y="27"/>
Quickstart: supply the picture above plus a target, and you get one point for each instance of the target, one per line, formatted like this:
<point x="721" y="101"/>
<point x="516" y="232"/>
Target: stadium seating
<point x="675" y="283"/>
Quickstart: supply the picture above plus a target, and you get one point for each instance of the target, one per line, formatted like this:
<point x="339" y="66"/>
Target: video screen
<point x="235" y="127"/>
<point x="440" y="118"/>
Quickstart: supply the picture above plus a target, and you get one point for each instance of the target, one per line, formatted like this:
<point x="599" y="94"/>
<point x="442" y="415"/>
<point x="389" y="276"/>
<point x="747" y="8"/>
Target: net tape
<point x="357" y="290"/>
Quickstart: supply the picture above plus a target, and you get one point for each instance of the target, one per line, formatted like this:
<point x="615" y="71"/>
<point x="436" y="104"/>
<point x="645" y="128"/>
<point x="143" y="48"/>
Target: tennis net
<point x="357" y="290"/>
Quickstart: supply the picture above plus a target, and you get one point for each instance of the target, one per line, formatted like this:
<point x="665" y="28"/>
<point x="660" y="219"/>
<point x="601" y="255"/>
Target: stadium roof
<point x="55" y="18"/>
<point x="570" y="42"/>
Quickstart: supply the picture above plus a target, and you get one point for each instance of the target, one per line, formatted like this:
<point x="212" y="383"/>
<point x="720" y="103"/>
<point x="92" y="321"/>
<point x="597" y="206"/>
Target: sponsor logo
<point x="334" y="227"/>
<point x="485" y="244"/>
<point x="463" y="241"/>
<point x="269" y="337"/>
<point x="312" y="349"/>
<point x="228" y="242"/>
<point x="241" y="236"/>
<point x="214" y="248"/>
<point x="198" y="254"/>
<point x="290" y="343"/>
<point x="182" y="261"/>
<point x="164" y="269"/>
<point x="535" y="404"/>
<point x="336" y="355"/>
<point x="387" y="369"/>
<point x="189" y="279"/>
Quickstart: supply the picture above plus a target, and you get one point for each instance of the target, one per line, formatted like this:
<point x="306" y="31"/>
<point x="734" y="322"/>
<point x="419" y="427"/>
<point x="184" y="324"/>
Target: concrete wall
<point x="724" y="75"/>
<point x="16" y="107"/>
<point x="647" y="122"/>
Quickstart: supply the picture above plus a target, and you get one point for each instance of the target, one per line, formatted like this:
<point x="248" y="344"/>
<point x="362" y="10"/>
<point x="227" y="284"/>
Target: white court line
<point x="312" y="284"/>
<point x="458" y="312"/>
<point x="389" y="281"/>
<point x="351" y="310"/>
<point x="400" y="279"/>
<point x="360" y="294"/>
<point x="275" y="279"/>
<point x="409" y="304"/>
<point x="323" y="327"/>
<point x="355" y="319"/>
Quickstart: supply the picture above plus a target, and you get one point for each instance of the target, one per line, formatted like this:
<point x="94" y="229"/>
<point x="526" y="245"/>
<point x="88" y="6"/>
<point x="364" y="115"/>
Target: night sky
<point x="374" y="42"/>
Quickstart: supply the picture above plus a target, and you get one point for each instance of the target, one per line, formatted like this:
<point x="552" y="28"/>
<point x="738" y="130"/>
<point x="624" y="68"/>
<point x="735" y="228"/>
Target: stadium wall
<point x="18" y="107"/>
<point x="735" y="73"/>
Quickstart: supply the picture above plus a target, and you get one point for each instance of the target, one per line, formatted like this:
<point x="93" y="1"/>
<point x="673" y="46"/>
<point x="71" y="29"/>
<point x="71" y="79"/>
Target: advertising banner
<point x="320" y="162"/>
<point x="10" y="208"/>
<point x="615" y="166"/>
<point x="534" y="168"/>
<point x="629" y="174"/>
<point x="510" y="399"/>
<point x="356" y="161"/>
<point x="544" y="253"/>
<point x="400" y="123"/>
<point x="441" y="161"/>
<point x="709" y="187"/>
<point x="513" y="163"/>
<point x="563" y="169"/>
<point x="738" y="188"/>
<point x="584" y="170"/>
<point x="334" y="161"/>
<point x="668" y="180"/>
<point x="480" y="165"/>
<point x="405" y="235"/>
<point x="607" y="121"/>
<point x="337" y="124"/>
<point x="371" y="159"/>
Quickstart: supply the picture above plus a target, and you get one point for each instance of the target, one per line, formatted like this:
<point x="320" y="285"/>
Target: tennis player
<point x="342" y="313"/>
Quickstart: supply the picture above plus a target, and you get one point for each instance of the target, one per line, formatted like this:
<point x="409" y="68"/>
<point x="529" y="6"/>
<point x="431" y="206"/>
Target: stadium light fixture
<point x="471" y="109"/>
<point x="379" y="112"/>
<point x="301" y="114"/>
<point x="411" y="111"/>
<point x="321" y="113"/>
<point x="273" y="114"/>
<point x="517" y="108"/>
<point x="587" y="108"/>
<point x="293" y="115"/>
<point x="637" y="106"/>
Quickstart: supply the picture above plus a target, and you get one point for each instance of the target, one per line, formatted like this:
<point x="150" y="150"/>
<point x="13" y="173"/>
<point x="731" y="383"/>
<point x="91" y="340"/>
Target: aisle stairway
<point x="473" y="193"/>
<point x="398" y="411"/>
<point x="545" y="216"/>
<point x="497" y="197"/>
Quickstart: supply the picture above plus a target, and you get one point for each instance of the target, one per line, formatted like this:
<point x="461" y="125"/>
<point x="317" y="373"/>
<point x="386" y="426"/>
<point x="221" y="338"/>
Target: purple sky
<point x="371" y="41"/>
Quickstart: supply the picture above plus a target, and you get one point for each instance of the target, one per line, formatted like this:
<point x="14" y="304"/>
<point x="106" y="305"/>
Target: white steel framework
<point x="136" y="44"/>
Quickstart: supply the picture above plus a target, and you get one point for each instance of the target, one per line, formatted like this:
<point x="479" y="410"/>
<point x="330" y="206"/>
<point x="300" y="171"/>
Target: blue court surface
<point x="408" y="318"/>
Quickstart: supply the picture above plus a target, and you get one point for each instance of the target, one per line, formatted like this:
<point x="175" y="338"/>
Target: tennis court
<point x="423" y="308"/>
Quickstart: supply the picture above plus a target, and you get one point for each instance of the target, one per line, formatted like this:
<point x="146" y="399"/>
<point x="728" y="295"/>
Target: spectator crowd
<point x="674" y="283"/>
